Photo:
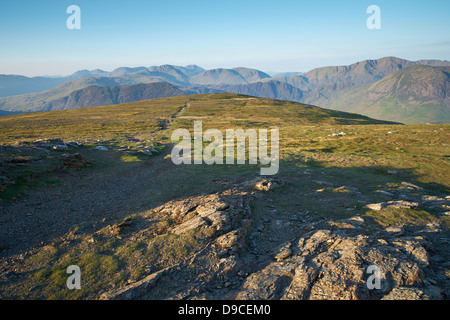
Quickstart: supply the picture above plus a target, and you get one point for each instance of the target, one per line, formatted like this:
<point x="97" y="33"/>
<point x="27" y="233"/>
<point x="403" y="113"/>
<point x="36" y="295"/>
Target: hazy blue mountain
<point x="122" y="71"/>
<point x="228" y="76"/>
<point x="218" y="76"/>
<point x="190" y="70"/>
<point x="264" y="89"/>
<point x="100" y="96"/>
<point x="38" y="101"/>
<point x="170" y="73"/>
<point x="11" y="85"/>
<point x="87" y="74"/>
<point x="284" y="74"/>
<point x="269" y="89"/>
<point x="337" y="87"/>
<point x="252" y="75"/>
<point x="8" y="113"/>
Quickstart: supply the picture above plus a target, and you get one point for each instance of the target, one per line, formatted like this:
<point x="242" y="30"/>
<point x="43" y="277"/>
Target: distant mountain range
<point x="234" y="76"/>
<point x="421" y="98"/>
<point x="11" y="85"/>
<point x="101" y="96"/>
<point x="411" y="95"/>
<point x="16" y="85"/>
<point x="389" y="88"/>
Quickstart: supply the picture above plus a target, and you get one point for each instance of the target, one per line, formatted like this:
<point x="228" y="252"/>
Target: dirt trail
<point x="95" y="200"/>
<point x="179" y="112"/>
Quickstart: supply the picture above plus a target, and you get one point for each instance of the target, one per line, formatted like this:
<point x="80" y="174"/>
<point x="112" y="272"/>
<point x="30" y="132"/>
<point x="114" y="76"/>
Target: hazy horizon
<point x="269" y="72"/>
<point x="286" y="36"/>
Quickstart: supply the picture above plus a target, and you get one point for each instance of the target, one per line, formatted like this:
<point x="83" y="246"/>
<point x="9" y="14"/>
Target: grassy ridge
<point x="107" y="123"/>
<point x="305" y="131"/>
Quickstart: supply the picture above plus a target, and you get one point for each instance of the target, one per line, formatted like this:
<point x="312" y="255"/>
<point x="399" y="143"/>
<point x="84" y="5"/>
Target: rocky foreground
<point x="321" y="259"/>
<point x="218" y="245"/>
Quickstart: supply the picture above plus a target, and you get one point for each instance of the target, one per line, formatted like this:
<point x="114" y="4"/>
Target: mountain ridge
<point x="416" y="94"/>
<point x="329" y="87"/>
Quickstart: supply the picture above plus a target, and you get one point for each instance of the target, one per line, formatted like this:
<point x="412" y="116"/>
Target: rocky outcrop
<point x="392" y="204"/>
<point x="334" y="264"/>
<point x="324" y="259"/>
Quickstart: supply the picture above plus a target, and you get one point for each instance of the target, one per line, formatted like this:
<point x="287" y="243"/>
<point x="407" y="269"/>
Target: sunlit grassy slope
<point x="321" y="151"/>
<point x="306" y="132"/>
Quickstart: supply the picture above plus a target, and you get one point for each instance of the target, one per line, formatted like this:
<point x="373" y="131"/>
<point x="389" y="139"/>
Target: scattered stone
<point x="101" y="148"/>
<point x="306" y="172"/>
<point x="229" y="240"/>
<point x="386" y="193"/>
<point x="60" y="147"/>
<point x="411" y="186"/>
<point x="394" y="229"/>
<point x="283" y="254"/>
<point x="428" y="198"/>
<point x="340" y="134"/>
<point x="374" y="206"/>
<point x="74" y="160"/>
<point x="356" y="219"/>
<point x="135" y="289"/>
<point x="146" y="152"/>
<point x="267" y="184"/>
<point x="392" y="204"/>
<point x="347" y="189"/>
<point x="47" y="144"/>
<point x="323" y="182"/>
<point x="75" y="144"/>
<point x="49" y="141"/>
<point x="403" y="293"/>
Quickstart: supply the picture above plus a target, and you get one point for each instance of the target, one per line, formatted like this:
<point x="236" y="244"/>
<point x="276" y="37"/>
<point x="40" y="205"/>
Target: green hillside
<point x="416" y="94"/>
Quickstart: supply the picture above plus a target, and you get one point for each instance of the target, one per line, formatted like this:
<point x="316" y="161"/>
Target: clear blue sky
<point x="282" y="35"/>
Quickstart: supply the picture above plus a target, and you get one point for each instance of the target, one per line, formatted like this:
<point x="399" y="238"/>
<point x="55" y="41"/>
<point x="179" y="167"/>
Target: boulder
<point x="266" y="184"/>
<point x="392" y="204"/>
<point x="75" y="160"/>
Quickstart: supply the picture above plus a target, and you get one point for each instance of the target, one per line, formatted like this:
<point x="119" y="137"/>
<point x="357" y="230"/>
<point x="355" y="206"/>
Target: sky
<point x="272" y="36"/>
